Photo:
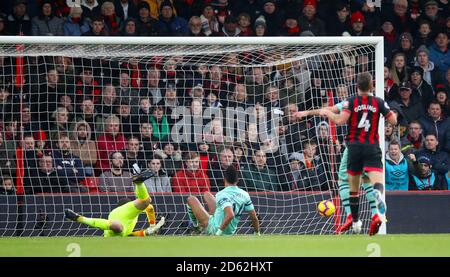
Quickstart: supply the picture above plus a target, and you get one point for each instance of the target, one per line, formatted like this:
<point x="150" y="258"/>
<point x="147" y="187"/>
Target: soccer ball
<point x="326" y="208"/>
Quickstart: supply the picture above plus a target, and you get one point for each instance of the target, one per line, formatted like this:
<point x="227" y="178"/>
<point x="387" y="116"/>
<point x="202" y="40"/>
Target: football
<point x="326" y="208"/>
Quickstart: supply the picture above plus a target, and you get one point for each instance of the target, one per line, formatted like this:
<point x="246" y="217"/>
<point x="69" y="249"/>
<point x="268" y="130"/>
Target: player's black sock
<point x="379" y="187"/>
<point x="354" y="205"/>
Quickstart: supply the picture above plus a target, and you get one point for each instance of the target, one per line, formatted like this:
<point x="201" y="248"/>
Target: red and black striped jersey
<point x="364" y="118"/>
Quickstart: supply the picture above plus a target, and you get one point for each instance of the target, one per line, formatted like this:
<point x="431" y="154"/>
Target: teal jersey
<point x="234" y="197"/>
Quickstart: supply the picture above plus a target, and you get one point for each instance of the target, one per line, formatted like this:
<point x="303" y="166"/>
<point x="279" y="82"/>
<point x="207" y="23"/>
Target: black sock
<point x="379" y="187"/>
<point x="354" y="205"/>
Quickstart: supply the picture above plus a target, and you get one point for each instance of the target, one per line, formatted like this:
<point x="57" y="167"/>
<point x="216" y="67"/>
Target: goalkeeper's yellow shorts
<point x="126" y="214"/>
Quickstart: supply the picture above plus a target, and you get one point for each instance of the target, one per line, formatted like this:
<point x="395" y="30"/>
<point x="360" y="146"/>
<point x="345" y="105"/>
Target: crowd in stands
<point x="86" y="124"/>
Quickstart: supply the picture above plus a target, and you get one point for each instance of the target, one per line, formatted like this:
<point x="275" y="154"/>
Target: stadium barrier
<point x="42" y="215"/>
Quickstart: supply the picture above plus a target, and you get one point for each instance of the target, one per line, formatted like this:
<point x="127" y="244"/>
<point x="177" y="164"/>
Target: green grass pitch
<point x="202" y="246"/>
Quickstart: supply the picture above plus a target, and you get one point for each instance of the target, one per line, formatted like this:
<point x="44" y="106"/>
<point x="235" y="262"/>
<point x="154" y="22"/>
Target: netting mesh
<point x="77" y="119"/>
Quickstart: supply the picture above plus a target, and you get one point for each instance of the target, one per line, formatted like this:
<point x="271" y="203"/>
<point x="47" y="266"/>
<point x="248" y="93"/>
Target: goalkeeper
<point x="372" y="195"/>
<point x="225" y="209"/>
<point x="122" y="220"/>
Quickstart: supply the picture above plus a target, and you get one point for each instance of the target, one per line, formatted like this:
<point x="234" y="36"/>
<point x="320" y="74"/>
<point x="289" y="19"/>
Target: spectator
<point x="109" y="100"/>
<point x="439" y="53"/>
<point x="340" y="21"/>
<point x="46" y="179"/>
<point x="218" y="165"/>
<point x="133" y="156"/>
<point x="160" y="182"/>
<point x="431" y="14"/>
<point x="46" y="23"/>
<point x="295" y="130"/>
<point x="60" y="123"/>
<point x="7" y="157"/>
<point x="260" y="27"/>
<point x="7" y="187"/>
<point x="6" y="103"/>
<point x="413" y="141"/>
<point x="155" y="7"/>
<point x="154" y="84"/>
<point x="358" y="20"/>
<point x="161" y="130"/>
<point x="149" y="142"/>
<point x="403" y="22"/>
<point x="129" y="122"/>
<point x="125" y="9"/>
<point x="443" y="100"/>
<point x="129" y="28"/>
<point x="311" y="168"/>
<point x="97" y="25"/>
<point x="290" y="26"/>
<point x="19" y="22"/>
<point x="191" y="179"/>
<point x="407" y="48"/>
<point x="390" y="88"/>
<point x="45" y="102"/>
<point x="273" y="16"/>
<point x="83" y="146"/>
<point x="90" y="8"/>
<point x="88" y="113"/>
<point x="389" y="34"/>
<point x="435" y="122"/>
<point x="127" y="93"/>
<point x="3" y="31"/>
<point x="308" y="21"/>
<point x="439" y="160"/>
<point x="424" y="178"/>
<point x="67" y="164"/>
<point x="424" y="34"/>
<point x="230" y="27"/>
<point x="195" y="27"/>
<point x="257" y="176"/>
<point x="425" y="91"/>
<point x="210" y="24"/>
<point x="170" y="24"/>
<point x="390" y="134"/>
<point x="112" y="140"/>
<point x="397" y="170"/>
<point x="116" y="179"/>
<point x="430" y="72"/>
<point x="171" y="158"/>
<point x="87" y="86"/>
<point x="245" y="23"/>
<point x="146" y="24"/>
<point x="112" y="21"/>
<point x="410" y="106"/>
<point x="75" y="24"/>
<point x="399" y="69"/>
<point x="253" y="8"/>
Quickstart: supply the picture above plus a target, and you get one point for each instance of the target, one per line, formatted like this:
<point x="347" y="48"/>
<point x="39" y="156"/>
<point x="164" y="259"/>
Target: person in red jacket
<point x="191" y="178"/>
<point x="112" y="140"/>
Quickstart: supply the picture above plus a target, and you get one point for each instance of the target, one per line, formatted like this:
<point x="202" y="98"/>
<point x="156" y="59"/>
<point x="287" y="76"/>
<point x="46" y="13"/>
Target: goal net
<point x="80" y="115"/>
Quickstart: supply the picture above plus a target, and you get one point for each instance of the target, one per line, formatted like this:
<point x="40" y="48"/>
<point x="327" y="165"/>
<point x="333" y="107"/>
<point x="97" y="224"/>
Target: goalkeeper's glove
<point x="219" y="232"/>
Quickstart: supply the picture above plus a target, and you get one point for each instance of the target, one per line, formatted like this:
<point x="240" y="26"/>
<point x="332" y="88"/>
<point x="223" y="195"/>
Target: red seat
<point x="91" y="183"/>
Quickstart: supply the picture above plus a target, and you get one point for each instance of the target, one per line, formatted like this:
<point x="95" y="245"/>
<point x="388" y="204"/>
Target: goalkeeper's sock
<point x="368" y="188"/>
<point x="151" y="215"/>
<point x="141" y="191"/>
<point x="354" y="205"/>
<point x="140" y="233"/>
<point x="192" y="216"/>
<point x="344" y="193"/>
<point x="99" y="223"/>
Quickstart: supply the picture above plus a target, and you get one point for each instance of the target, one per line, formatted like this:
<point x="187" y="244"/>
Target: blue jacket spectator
<point x="75" y="25"/>
<point x="424" y="178"/>
<point x="397" y="175"/>
<point x="439" y="53"/>
<point x="170" y="25"/>
<point x="66" y="163"/>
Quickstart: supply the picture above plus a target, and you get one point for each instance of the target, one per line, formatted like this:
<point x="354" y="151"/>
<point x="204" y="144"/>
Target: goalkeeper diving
<point x="225" y="210"/>
<point x="122" y="220"/>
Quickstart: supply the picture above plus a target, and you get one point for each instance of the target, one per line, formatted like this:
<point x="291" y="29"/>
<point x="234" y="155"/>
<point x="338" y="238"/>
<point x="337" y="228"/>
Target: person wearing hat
<point x="290" y="26"/>
<point x="146" y="24"/>
<point x="406" y="46"/>
<point x="274" y="17"/>
<point x="91" y="8"/>
<point x="169" y="24"/>
<point x="260" y="27"/>
<point x="358" y="21"/>
<point x="423" y="178"/>
<point x="440" y="54"/>
<point x="402" y="20"/>
<point x="308" y="21"/>
<point x="389" y="33"/>
<point x="425" y="91"/>
<point x="430" y="72"/>
<point x="432" y="14"/>
<point x="19" y="22"/>
<point x="410" y="106"/>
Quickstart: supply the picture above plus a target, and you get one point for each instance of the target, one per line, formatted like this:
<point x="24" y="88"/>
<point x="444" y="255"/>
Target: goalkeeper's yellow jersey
<point x="127" y="215"/>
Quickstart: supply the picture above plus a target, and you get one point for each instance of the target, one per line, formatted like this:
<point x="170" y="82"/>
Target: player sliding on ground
<point x="373" y="196"/>
<point x="225" y="209"/>
<point x="364" y="112"/>
<point x="122" y="220"/>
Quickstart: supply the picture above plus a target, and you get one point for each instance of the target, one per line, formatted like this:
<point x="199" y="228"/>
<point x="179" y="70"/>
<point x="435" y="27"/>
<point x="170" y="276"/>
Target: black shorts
<point x="363" y="157"/>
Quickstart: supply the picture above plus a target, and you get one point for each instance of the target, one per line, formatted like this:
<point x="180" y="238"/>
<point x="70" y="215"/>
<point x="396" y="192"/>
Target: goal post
<point x="246" y="88"/>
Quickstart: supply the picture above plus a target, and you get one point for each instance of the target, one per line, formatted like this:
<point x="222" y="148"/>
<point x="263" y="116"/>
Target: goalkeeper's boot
<point x="71" y="215"/>
<point x="375" y="224"/>
<point x="381" y="205"/>
<point x="153" y="229"/>
<point x="357" y="226"/>
<point x="347" y="224"/>
<point x="141" y="177"/>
